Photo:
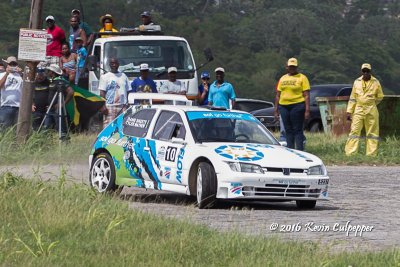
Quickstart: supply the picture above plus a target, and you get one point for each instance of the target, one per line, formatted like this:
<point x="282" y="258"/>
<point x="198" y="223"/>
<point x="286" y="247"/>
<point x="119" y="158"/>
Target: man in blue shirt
<point x="203" y="88"/>
<point x="143" y="84"/>
<point x="220" y="91"/>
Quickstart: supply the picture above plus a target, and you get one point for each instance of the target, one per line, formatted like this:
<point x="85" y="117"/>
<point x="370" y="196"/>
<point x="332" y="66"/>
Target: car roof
<point x="252" y="100"/>
<point x="330" y="86"/>
<point x="190" y="108"/>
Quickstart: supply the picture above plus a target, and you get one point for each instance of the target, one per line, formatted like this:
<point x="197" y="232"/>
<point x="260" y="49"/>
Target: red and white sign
<point x="32" y="45"/>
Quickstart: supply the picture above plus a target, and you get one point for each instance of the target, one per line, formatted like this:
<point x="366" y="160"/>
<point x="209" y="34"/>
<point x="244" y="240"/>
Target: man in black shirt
<point x="40" y="98"/>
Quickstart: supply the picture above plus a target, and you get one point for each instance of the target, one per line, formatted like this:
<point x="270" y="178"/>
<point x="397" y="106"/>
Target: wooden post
<point x="25" y="110"/>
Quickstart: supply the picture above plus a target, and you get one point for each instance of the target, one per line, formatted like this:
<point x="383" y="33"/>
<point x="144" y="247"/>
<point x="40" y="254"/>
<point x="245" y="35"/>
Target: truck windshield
<point x="159" y="54"/>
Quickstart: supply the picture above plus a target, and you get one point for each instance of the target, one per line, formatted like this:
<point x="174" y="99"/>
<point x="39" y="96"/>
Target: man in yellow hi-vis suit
<point x="362" y="111"/>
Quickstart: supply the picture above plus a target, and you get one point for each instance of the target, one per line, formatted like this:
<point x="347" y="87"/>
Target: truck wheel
<point x="102" y="174"/>
<point x="306" y="204"/>
<point x="206" y="185"/>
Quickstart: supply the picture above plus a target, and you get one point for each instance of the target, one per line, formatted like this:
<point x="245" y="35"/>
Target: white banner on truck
<point x="32" y="45"/>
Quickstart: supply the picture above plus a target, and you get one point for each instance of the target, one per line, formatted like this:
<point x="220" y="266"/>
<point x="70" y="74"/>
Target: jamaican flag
<point x="83" y="105"/>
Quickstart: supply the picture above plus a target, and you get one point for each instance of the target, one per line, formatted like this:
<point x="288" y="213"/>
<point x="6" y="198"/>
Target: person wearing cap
<point x="143" y="83"/>
<point x="292" y="103"/>
<point x="221" y="92"/>
<point x="203" y="88"/>
<point x="74" y="32"/>
<point x="55" y="38"/>
<point x="113" y="86"/>
<point x="362" y="111"/>
<point x="55" y="76"/>
<point x="40" y="98"/>
<point x="173" y="86"/>
<point x="107" y="23"/>
<point x="81" y="53"/>
<point x="146" y="18"/>
<point x="10" y="88"/>
<point x="83" y="25"/>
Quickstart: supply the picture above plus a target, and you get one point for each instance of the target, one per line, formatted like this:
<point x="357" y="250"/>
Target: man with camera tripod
<point x="57" y="85"/>
<point x="10" y="87"/>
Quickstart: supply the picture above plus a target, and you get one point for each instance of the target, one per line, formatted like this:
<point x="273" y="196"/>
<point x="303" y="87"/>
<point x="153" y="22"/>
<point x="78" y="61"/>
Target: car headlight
<point x="317" y="170"/>
<point x="245" y="167"/>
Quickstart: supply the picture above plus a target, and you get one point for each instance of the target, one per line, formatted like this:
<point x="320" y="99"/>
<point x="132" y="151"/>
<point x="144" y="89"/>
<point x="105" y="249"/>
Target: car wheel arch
<point x="98" y="151"/>
<point x="193" y="174"/>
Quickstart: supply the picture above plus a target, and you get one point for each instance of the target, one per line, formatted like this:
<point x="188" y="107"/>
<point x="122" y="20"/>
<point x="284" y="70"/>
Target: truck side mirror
<point x="208" y="54"/>
<point x="92" y="63"/>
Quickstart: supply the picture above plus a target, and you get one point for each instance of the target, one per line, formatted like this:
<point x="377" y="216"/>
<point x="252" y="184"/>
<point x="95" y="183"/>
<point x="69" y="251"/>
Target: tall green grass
<point x="44" y="147"/>
<point x="49" y="224"/>
<point x="331" y="150"/>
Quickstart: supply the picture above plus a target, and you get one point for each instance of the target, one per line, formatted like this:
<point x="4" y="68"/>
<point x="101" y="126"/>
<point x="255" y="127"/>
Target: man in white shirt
<point x="113" y="87"/>
<point x="173" y="86"/>
<point x="10" y="87"/>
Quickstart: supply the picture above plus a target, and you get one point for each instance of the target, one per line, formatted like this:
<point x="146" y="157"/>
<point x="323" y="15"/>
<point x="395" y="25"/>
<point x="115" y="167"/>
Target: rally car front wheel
<point x="102" y="173"/>
<point x="206" y="185"/>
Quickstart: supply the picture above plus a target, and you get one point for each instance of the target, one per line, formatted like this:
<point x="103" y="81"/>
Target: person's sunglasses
<point x="366" y="71"/>
<point x="205" y="78"/>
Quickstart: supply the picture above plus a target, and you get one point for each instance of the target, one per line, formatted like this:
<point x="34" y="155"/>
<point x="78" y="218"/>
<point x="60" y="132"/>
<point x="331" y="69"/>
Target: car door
<point x="169" y="133"/>
<point x="140" y="155"/>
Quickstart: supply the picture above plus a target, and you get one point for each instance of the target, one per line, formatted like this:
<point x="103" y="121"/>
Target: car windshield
<point x="228" y="127"/>
<point x="159" y="54"/>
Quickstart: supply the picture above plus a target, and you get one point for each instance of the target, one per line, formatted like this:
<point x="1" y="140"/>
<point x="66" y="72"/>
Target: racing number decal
<point x="170" y="153"/>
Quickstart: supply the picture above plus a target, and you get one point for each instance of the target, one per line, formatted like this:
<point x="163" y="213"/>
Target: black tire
<point x="306" y="204"/>
<point x="206" y="185"/>
<point x="102" y="174"/>
<point x="315" y="127"/>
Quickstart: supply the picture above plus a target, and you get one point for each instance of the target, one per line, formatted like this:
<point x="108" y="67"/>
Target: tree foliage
<point x="253" y="39"/>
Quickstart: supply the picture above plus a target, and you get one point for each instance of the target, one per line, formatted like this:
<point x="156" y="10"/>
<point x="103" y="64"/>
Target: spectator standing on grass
<point x="203" y="88"/>
<point x="83" y="25"/>
<point x="292" y="102"/>
<point x="113" y="86"/>
<point x="221" y="92"/>
<point x="55" y="38"/>
<point x="81" y="57"/>
<point x="362" y="111"/>
<point x="40" y="98"/>
<point x="68" y="63"/>
<point x="143" y="84"/>
<point x="10" y="87"/>
<point x="173" y="86"/>
<point x="74" y="32"/>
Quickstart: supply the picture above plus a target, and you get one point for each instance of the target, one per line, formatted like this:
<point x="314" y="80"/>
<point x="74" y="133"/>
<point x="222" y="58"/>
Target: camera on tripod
<point x="59" y="85"/>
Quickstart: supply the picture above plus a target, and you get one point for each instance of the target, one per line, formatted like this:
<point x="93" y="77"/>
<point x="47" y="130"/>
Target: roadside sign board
<point x="32" y="45"/>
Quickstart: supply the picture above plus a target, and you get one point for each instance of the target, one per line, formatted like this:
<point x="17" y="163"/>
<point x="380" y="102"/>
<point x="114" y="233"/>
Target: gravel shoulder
<point x="361" y="196"/>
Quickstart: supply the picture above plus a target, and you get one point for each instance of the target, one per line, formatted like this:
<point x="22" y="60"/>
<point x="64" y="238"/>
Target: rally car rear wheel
<point x="306" y="204"/>
<point x="206" y="185"/>
<point x="102" y="174"/>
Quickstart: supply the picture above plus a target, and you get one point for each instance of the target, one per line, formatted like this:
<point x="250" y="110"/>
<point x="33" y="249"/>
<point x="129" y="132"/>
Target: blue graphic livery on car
<point x="242" y="153"/>
<point x="196" y="115"/>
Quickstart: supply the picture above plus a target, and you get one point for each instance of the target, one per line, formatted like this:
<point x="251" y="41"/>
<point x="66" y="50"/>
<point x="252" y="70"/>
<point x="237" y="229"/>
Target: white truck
<point x="159" y="51"/>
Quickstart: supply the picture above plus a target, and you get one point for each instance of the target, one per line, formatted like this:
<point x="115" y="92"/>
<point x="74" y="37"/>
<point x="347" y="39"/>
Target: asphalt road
<point x="363" y="212"/>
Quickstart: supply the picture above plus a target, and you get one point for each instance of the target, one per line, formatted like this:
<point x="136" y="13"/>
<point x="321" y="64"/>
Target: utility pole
<point x="25" y="110"/>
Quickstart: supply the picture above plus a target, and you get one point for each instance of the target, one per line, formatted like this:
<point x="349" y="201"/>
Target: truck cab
<point x="159" y="51"/>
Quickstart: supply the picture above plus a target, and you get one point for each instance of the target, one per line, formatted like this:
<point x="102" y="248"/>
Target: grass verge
<point x="44" y="148"/>
<point x="48" y="224"/>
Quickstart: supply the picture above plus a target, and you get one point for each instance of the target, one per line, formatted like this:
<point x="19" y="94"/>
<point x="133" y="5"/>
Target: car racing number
<point x="170" y="153"/>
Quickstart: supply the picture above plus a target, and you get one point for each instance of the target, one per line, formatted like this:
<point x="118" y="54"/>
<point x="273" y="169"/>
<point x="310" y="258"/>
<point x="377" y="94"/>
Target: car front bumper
<point x="274" y="188"/>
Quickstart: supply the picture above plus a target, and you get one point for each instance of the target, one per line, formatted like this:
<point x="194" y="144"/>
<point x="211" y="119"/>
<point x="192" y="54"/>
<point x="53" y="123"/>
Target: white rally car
<point x="211" y="154"/>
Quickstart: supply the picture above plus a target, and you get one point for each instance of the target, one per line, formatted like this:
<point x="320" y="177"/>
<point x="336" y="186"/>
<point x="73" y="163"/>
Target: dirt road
<point x="363" y="199"/>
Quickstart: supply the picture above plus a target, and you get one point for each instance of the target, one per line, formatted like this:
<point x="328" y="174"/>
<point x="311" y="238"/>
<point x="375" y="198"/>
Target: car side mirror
<point x="179" y="141"/>
<point x="283" y="143"/>
<point x="92" y="63"/>
<point x="208" y="54"/>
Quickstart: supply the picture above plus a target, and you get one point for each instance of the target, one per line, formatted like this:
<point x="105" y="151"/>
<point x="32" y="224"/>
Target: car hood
<point x="263" y="155"/>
